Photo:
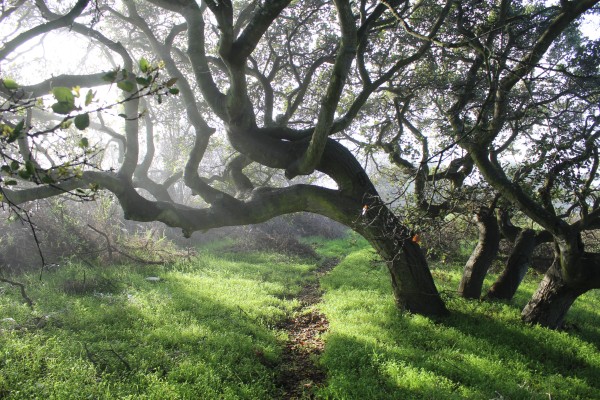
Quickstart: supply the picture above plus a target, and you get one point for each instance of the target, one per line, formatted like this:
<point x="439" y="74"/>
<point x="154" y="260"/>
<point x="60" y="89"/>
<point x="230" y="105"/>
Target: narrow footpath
<point x="299" y="375"/>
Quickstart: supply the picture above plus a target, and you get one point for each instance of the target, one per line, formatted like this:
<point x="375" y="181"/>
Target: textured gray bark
<point x="517" y="264"/>
<point x="573" y="273"/>
<point x="412" y="283"/>
<point x="484" y="253"/>
<point x="551" y="301"/>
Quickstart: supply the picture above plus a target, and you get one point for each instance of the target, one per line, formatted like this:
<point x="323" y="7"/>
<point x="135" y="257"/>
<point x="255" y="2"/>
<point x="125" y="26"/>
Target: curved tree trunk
<point x="412" y="283"/>
<point x="483" y="255"/>
<point x="517" y="264"/>
<point x="552" y="300"/>
<point x="572" y="273"/>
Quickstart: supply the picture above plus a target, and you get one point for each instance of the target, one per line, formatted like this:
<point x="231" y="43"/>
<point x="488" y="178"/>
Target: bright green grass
<point x="208" y="330"/>
<point x="204" y="332"/>
<point x="482" y="351"/>
<point x="337" y="248"/>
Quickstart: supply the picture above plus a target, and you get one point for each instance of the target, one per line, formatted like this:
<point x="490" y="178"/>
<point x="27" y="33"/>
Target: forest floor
<point x="267" y="325"/>
<point x="299" y="374"/>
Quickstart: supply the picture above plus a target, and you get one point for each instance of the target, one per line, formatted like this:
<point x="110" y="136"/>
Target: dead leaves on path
<point x="299" y="375"/>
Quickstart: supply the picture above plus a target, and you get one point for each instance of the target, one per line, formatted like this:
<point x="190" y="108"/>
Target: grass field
<point x="482" y="351"/>
<point x="210" y="329"/>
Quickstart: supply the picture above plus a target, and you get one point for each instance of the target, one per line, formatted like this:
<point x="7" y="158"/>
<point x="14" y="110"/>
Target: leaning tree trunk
<point x="412" y="282"/>
<point x="573" y="273"/>
<point x="357" y="205"/>
<point x="485" y="252"/>
<point x="517" y="264"/>
<point x="552" y="300"/>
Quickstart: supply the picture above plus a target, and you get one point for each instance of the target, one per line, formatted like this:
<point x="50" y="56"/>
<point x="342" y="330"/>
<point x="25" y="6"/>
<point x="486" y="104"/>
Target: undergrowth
<point x="209" y="328"/>
<point x="205" y="330"/>
<point x="482" y="351"/>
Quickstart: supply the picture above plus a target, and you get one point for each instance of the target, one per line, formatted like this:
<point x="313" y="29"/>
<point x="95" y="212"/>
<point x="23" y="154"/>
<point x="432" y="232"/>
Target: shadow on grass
<point x="459" y="358"/>
<point x="482" y="351"/>
<point x="539" y="348"/>
<point x="200" y="334"/>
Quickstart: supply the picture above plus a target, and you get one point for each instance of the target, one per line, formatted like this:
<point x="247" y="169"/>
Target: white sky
<point x="591" y="27"/>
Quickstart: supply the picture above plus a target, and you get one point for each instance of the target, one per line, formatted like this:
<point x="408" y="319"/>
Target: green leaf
<point x="110" y="76"/>
<point x="63" y="95"/>
<point x="65" y="98"/>
<point x="126" y="86"/>
<point x="143" y="81"/>
<point x="66" y="124"/>
<point x="10" y="84"/>
<point x="84" y="142"/>
<point x="174" y="90"/>
<point x="171" y="82"/>
<point x="144" y="65"/>
<point x="159" y="99"/>
<point x="47" y="179"/>
<point x="82" y="121"/>
<point x="14" y="165"/>
<point x="5" y="169"/>
<point x="30" y="167"/>
<point x="63" y="108"/>
<point x="89" y="97"/>
<point x="10" y="183"/>
<point x="124" y="116"/>
<point x="24" y="174"/>
<point x="16" y="132"/>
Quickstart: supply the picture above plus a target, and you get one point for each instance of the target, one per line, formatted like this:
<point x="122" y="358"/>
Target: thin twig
<point x="22" y="288"/>
<point x="112" y="248"/>
<point x="109" y="246"/>
<point x="125" y="363"/>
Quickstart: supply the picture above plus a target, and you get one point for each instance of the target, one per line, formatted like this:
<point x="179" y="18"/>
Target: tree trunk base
<point x="483" y="255"/>
<point x="517" y="265"/>
<point x="413" y="285"/>
<point x="412" y="282"/>
<point x="552" y="300"/>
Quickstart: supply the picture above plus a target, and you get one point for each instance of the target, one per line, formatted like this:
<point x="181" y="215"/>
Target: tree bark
<point x="552" y="300"/>
<point x="573" y="272"/>
<point x="517" y="264"/>
<point x="483" y="255"/>
<point x="412" y="282"/>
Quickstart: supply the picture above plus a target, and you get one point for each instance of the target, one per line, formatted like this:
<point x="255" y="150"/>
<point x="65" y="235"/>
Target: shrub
<point x="91" y="232"/>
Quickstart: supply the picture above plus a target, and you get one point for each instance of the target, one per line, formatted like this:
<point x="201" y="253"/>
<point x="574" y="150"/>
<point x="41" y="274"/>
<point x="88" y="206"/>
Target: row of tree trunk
<point x="555" y="294"/>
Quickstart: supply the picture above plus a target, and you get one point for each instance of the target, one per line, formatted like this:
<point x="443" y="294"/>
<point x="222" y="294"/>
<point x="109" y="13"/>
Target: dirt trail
<point x="298" y="373"/>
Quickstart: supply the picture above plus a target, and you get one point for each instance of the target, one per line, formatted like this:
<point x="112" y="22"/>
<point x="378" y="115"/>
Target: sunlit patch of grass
<point x="337" y="248"/>
<point x="208" y="330"/>
<point x="482" y="351"/>
<point x="205" y="330"/>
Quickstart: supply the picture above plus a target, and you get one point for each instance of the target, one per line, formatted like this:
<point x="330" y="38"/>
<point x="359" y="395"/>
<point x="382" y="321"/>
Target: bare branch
<point x="57" y="23"/>
<point x="341" y="68"/>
